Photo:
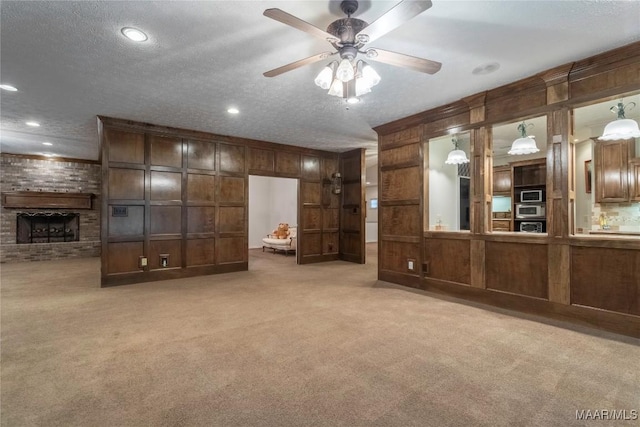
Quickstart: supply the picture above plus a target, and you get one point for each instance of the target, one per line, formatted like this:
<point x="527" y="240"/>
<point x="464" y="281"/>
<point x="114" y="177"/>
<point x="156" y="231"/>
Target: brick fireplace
<point x="61" y="226"/>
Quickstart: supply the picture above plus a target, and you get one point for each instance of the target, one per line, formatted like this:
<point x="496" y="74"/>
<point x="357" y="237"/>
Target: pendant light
<point x="525" y="144"/>
<point x="621" y="128"/>
<point x="456" y="156"/>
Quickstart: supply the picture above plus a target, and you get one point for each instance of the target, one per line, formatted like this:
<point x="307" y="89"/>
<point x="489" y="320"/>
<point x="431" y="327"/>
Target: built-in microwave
<point x="531" y="227"/>
<point x="531" y="196"/>
<point x="530" y="211"/>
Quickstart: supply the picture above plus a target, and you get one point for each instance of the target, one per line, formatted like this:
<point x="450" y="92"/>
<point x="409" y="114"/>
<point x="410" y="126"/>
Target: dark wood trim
<point x="53" y="159"/>
<point x="173" y="273"/>
<point x="584" y="316"/>
<point x="46" y="200"/>
<point x="314" y="259"/>
<point x="410" y="280"/>
<point x="193" y="134"/>
<point x="443" y="112"/>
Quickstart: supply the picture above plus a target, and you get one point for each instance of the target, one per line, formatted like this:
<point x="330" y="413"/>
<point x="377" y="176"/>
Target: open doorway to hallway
<point x="273" y="202"/>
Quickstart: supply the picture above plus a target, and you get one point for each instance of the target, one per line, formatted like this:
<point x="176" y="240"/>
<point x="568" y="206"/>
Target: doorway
<point x="272" y="201"/>
<point x="464" y="186"/>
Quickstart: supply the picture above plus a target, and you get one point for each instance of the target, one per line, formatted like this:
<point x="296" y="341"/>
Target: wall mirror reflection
<point x="519" y="176"/>
<point x="607" y="172"/>
<point x="447" y="182"/>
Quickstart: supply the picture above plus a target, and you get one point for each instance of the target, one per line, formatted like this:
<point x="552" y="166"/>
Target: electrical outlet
<point x="410" y="264"/>
<point x="142" y="262"/>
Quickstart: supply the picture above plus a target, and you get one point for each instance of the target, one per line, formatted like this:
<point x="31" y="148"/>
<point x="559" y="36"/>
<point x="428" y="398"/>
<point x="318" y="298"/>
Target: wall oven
<point x="530" y="211"/>
<point x="531" y="227"/>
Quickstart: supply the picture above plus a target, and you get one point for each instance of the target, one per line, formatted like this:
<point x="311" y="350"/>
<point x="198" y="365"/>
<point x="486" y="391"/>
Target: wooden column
<point x="481" y="184"/>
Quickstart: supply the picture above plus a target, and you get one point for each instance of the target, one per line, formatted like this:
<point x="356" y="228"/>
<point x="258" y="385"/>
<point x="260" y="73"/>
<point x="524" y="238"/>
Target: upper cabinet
<point x="502" y="180"/>
<point x="634" y="174"/>
<point x="614" y="175"/>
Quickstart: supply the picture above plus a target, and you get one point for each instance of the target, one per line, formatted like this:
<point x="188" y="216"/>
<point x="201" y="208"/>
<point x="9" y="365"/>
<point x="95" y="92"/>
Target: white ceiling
<point x="70" y="64"/>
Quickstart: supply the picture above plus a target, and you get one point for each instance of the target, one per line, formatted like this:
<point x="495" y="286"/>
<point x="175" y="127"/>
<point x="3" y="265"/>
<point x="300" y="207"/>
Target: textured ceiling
<point x="70" y="64"/>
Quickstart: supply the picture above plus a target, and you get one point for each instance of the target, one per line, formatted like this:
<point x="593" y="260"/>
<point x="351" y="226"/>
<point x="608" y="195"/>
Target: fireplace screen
<point x="47" y="227"/>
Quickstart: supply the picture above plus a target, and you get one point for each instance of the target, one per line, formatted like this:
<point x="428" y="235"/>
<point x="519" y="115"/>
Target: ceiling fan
<point x="349" y="37"/>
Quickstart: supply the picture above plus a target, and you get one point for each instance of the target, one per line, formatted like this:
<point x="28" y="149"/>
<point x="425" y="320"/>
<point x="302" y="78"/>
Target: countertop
<point x="615" y="233"/>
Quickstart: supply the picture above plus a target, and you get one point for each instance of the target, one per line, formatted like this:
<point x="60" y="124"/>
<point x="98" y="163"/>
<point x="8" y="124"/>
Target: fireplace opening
<point x="47" y="227"/>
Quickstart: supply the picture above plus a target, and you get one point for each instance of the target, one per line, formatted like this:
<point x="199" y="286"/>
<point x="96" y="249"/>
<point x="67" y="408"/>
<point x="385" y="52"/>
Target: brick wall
<point x="19" y="173"/>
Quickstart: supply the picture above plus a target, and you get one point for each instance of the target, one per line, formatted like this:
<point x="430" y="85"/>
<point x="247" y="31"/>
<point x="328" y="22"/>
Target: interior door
<point x="352" y="212"/>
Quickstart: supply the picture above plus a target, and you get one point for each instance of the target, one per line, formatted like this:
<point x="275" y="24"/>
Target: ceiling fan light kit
<point x="525" y="144"/>
<point x="351" y="78"/>
<point x="621" y="128"/>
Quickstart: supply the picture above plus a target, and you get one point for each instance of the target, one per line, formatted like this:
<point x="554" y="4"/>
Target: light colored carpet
<point x="287" y="345"/>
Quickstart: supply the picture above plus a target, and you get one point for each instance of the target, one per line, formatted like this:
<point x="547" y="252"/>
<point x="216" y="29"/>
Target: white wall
<point x="371" y="192"/>
<point x="271" y="201"/>
<point x="443" y="186"/>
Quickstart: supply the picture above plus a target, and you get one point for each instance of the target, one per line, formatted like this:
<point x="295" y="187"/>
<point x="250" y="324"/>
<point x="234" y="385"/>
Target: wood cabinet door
<point x="612" y="171"/>
<point x="502" y="180"/>
<point x="634" y="175"/>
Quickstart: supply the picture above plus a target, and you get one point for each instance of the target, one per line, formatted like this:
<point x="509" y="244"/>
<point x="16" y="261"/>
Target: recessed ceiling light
<point x="233" y="110"/>
<point x="9" y="88"/>
<point x="368" y="182"/>
<point x="353" y="100"/>
<point x="575" y="140"/>
<point x="134" y="34"/>
<point x="486" y="68"/>
<point x="47" y="143"/>
<point x="33" y="124"/>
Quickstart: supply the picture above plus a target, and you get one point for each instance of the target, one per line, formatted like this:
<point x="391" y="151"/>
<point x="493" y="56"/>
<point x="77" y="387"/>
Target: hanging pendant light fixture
<point x="456" y="156"/>
<point x="525" y="144"/>
<point x="621" y="128"/>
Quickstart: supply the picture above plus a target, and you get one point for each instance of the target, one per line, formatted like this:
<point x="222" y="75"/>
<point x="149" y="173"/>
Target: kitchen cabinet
<point x="502" y="180"/>
<point x="501" y="224"/>
<point x="613" y="170"/>
<point x="634" y="174"/>
<point x="529" y="179"/>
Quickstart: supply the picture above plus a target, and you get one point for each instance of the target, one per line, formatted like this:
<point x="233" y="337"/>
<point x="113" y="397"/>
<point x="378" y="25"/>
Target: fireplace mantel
<point x="46" y="200"/>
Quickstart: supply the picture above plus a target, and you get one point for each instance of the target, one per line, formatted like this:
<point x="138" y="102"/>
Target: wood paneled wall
<point x="589" y="280"/>
<point x="352" y="212"/>
<point x="182" y="196"/>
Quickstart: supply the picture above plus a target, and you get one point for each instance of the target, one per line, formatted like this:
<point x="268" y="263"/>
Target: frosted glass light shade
<point x="324" y="77"/>
<point x="345" y="71"/>
<point x="456" y="157"/>
<point x="620" y="129"/>
<point x="362" y="86"/>
<point x="524" y="145"/>
<point x="337" y="88"/>
<point x="370" y="75"/>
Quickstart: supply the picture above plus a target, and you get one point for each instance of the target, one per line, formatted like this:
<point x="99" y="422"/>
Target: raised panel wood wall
<point x="400" y="207"/>
<point x="606" y="278"/>
<point x="183" y="195"/>
<point x="593" y="281"/>
<point x="353" y="205"/>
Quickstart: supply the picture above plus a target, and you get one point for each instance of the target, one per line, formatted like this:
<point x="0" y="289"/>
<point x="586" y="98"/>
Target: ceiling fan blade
<point x="406" y="61"/>
<point x="292" y="21"/>
<point x="298" y="64"/>
<point x="391" y="20"/>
